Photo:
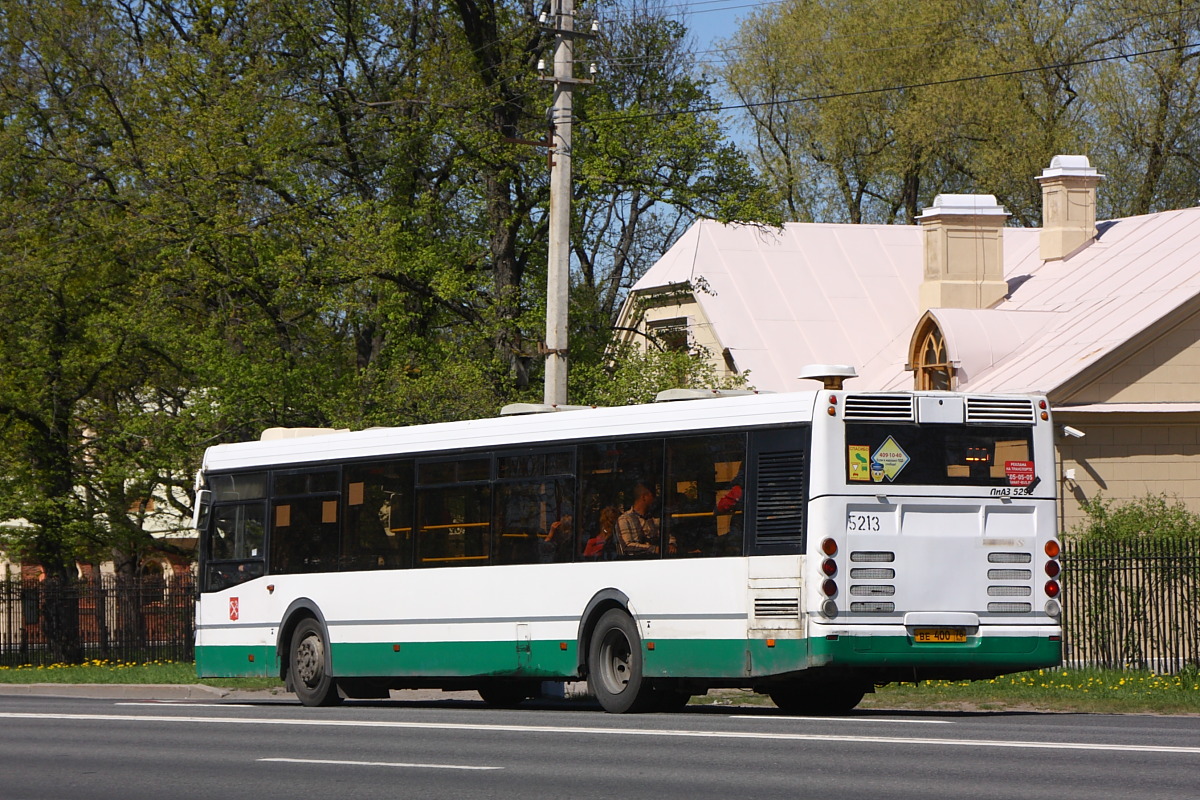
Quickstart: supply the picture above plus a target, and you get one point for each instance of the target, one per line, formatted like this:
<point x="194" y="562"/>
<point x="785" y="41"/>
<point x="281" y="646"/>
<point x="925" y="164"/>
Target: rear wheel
<point x="818" y="699"/>
<point x="308" y="674"/>
<point x="615" y="665"/>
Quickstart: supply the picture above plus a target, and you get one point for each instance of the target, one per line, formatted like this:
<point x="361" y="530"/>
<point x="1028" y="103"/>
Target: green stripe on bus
<point x="236" y="661"/>
<point x="698" y="658"/>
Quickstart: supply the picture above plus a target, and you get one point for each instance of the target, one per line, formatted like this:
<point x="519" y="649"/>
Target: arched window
<point x="929" y="358"/>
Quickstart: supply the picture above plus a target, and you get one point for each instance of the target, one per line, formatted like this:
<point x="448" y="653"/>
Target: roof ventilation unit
<point x="518" y="409"/>
<point x="831" y="375"/>
<point x="671" y="395"/>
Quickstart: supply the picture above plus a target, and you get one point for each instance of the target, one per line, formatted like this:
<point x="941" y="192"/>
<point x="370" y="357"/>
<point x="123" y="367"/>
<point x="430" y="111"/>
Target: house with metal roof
<point x="1103" y="317"/>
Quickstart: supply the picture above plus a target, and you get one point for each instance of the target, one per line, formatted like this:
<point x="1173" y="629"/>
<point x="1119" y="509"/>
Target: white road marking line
<point x="868" y="720"/>
<point x="560" y="730"/>
<point x="371" y="763"/>
<point x="187" y="704"/>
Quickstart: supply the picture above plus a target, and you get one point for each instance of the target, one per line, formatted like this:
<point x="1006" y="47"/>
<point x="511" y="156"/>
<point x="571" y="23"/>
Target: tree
<point x="1148" y="109"/>
<point x="651" y="157"/>
<point x="222" y="218"/>
<point x="863" y="112"/>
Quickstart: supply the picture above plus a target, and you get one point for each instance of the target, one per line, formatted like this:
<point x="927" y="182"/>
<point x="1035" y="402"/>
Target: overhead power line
<point x="898" y="88"/>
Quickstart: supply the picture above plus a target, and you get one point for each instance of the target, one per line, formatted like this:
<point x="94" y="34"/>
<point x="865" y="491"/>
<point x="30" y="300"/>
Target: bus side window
<point x="378" y="516"/>
<point x="534" y="507"/>
<point x="453" y="513"/>
<point x="627" y="476"/>
<point x="304" y="527"/>
<point x="534" y="521"/>
<point x="703" y="508"/>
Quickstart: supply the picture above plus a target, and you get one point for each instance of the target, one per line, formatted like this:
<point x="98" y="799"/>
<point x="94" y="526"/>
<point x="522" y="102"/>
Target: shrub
<point x="1151" y="517"/>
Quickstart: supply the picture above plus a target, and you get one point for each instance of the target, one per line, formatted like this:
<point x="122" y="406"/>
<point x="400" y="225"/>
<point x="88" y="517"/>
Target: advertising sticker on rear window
<point x="1020" y="473"/>
<point x="860" y="462"/>
<point x="888" y="460"/>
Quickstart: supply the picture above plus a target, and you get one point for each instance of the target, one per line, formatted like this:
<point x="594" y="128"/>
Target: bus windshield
<point x="939" y="455"/>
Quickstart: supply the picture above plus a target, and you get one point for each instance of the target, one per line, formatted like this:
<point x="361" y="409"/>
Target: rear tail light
<point x="1052" y="549"/>
<point x="829" y="587"/>
<point x="829" y="567"/>
<point x="1052" y="588"/>
<point x="829" y="547"/>
<point x="1052" y="569"/>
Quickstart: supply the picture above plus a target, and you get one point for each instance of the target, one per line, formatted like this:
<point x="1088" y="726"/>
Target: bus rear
<point x="932" y="537"/>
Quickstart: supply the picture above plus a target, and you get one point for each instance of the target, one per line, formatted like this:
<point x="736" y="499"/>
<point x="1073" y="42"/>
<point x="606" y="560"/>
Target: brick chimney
<point x="1068" y="206"/>
<point x="964" y="252"/>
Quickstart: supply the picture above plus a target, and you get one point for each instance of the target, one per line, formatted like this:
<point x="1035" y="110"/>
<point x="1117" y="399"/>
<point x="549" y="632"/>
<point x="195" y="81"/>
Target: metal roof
<point x="783" y="298"/>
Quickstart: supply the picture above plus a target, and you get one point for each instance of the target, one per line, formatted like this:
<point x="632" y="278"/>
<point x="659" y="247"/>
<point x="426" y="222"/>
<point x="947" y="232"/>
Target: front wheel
<point x="615" y="665"/>
<point x="308" y="674"/>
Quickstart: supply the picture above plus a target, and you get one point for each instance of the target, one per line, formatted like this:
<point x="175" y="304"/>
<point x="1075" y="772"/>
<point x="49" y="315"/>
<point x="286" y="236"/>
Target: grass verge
<point x="1094" y="691"/>
<point x="104" y="671"/>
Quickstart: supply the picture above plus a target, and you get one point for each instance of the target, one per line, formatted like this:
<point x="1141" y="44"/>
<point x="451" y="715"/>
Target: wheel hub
<point x="310" y="660"/>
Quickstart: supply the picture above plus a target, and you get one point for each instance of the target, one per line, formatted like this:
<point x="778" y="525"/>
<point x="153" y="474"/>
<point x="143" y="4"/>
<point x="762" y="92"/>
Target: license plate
<point x="940" y="635"/>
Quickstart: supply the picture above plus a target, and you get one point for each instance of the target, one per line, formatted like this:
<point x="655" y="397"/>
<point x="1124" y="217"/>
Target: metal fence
<point x="1127" y="605"/>
<point x="1132" y="604"/>
<point x="108" y="618"/>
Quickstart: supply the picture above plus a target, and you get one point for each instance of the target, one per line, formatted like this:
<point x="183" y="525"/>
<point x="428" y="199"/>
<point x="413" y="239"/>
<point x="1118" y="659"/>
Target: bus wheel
<point x="308" y="677"/>
<point x="818" y="699"/>
<point x="615" y="665"/>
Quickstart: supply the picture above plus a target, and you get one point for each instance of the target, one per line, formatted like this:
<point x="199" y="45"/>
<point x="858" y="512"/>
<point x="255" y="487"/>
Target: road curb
<point x="116" y="691"/>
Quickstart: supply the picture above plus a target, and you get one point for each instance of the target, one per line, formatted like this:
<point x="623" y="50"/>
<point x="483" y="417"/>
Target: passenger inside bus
<point x="638" y="531"/>
<point x="602" y="546"/>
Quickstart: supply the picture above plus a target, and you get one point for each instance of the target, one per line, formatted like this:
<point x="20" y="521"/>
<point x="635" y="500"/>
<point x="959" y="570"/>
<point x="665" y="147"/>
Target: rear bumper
<point x="892" y="650"/>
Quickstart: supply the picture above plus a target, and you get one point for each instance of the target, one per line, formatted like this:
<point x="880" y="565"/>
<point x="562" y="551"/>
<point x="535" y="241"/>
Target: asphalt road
<point x="128" y="749"/>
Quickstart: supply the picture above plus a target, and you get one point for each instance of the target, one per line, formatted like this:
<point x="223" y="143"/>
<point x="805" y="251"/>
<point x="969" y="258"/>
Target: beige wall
<point x="1125" y="457"/>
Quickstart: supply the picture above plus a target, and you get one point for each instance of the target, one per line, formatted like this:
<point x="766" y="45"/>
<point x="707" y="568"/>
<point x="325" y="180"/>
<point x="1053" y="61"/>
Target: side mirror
<point x="200" y="512"/>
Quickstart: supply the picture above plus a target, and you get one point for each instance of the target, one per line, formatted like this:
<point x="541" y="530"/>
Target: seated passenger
<point x="638" y="532"/>
<point x="602" y="546"/>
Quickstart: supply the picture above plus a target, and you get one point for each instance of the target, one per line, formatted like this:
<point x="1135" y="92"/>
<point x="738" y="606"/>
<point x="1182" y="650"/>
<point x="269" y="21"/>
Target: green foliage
<point x="218" y="219"/>
<point x="635" y="375"/>
<point x="1153" y="517"/>
<point x="864" y="111"/>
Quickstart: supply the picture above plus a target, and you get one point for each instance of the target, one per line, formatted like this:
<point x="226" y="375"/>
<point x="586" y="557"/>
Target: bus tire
<point x="308" y="672"/>
<point x="615" y="665"/>
<point x="818" y="699"/>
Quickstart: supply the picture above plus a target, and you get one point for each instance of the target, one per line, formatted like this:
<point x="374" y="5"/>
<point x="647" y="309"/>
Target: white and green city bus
<point x="808" y="545"/>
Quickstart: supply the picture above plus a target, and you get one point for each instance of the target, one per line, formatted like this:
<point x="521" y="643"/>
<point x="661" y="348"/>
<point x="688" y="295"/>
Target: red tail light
<point x="1052" y="588"/>
<point x="1052" y="569"/>
<point x="829" y="587"/>
<point x="829" y="567"/>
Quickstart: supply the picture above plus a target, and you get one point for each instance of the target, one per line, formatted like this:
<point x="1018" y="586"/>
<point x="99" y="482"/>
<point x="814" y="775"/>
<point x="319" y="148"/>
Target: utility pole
<point x="558" y="278"/>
